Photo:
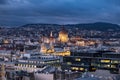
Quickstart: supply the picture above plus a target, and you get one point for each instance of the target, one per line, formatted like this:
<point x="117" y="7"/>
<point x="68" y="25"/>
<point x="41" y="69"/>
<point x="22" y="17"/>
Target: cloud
<point x="3" y="2"/>
<point x="19" y="12"/>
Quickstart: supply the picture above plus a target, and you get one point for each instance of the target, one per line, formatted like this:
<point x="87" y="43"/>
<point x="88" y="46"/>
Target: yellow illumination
<point x="81" y="69"/>
<point x="105" y="61"/>
<point x="93" y="68"/>
<point x="64" y="53"/>
<point x="75" y="68"/>
<point x="63" y="36"/>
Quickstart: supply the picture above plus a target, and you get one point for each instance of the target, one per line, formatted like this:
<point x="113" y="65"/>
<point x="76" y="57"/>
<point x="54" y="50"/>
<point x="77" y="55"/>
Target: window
<point x="77" y="59"/>
<point x="105" y="61"/>
<point x="113" y="66"/>
<point x="58" y="61"/>
<point x="35" y="66"/>
<point x="114" y="61"/>
<point x="105" y="65"/>
<point x="81" y="69"/>
<point x="93" y="68"/>
<point x="75" y="68"/>
<point x="69" y="63"/>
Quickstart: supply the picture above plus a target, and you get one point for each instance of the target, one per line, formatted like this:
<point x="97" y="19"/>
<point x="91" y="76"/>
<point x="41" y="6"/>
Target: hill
<point x="101" y="26"/>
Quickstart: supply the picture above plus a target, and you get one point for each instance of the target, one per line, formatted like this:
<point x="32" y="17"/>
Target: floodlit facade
<point x="63" y="36"/>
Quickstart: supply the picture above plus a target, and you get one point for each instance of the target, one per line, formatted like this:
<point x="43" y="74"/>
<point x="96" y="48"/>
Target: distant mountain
<point x="101" y="26"/>
<point x="97" y="26"/>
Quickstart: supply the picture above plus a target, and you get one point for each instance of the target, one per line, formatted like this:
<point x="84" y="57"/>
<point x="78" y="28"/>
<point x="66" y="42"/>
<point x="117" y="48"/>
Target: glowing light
<point x="77" y="59"/>
<point x="105" y="61"/>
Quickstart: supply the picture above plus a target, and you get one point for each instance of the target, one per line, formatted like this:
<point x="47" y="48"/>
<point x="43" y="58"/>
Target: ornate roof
<point x="63" y="31"/>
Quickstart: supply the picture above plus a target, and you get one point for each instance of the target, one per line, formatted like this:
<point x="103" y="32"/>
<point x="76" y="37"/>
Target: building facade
<point x="91" y="61"/>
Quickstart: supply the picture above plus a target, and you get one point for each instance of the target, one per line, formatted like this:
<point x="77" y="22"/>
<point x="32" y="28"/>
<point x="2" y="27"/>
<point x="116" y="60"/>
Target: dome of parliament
<point x="63" y="31"/>
<point x="63" y="35"/>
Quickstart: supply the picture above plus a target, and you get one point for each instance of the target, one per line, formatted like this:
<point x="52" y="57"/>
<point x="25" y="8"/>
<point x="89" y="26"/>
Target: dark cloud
<point x="3" y="2"/>
<point x="19" y="12"/>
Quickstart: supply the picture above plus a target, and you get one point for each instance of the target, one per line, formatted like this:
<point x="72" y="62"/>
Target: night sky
<point x="20" y="12"/>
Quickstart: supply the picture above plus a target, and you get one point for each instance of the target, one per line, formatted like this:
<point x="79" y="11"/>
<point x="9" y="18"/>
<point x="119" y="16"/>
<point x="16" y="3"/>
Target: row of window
<point x="41" y="62"/>
<point x="109" y="61"/>
<point x="26" y="65"/>
<point x="105" y="65"/>
<point x="77" y="68"/>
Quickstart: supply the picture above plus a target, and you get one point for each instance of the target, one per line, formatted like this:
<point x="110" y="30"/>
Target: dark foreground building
<point x="82" y="61"/>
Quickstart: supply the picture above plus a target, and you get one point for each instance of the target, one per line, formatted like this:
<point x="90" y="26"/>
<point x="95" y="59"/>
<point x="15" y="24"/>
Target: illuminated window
<point x="75" y="68"/>
<point x="113" y="66"/>
<point x="114" y="61"/>
<point x="69" y="63"/>
<point x="93" y="68"/>
<point x="34" y="66"/>
<point x="105" y="61"/>
<point x="77" y="59"/>
<point x="58" y="61"/>
<point x="81" y="69"/>
<point x="108" y="65"/>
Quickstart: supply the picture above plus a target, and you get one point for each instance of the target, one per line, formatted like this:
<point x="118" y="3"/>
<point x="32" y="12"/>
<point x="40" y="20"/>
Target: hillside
<point x="101" y="26"/>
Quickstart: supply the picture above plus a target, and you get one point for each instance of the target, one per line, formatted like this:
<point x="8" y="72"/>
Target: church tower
<point x="51" y="38"/>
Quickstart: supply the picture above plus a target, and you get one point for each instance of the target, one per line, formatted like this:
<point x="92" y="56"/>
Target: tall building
<point x="51" y="38"/>
<point x="2" y="72"/>
<point x="51" y="48"/>
<point x="63" y="36"/>
<point x="43" y="48"/>
<point x="92" y="61"/>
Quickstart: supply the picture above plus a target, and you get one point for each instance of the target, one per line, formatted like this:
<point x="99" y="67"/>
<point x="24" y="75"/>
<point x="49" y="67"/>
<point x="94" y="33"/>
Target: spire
<point x="51" y="34"/>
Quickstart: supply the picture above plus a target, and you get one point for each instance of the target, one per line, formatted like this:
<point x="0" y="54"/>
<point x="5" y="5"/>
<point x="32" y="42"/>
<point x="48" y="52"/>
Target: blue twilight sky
<point x="20" y="12"/>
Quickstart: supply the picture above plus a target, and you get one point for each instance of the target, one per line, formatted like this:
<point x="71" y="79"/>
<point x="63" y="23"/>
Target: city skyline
<point x="59" y="40"/>
<point x="20" y="12"/>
